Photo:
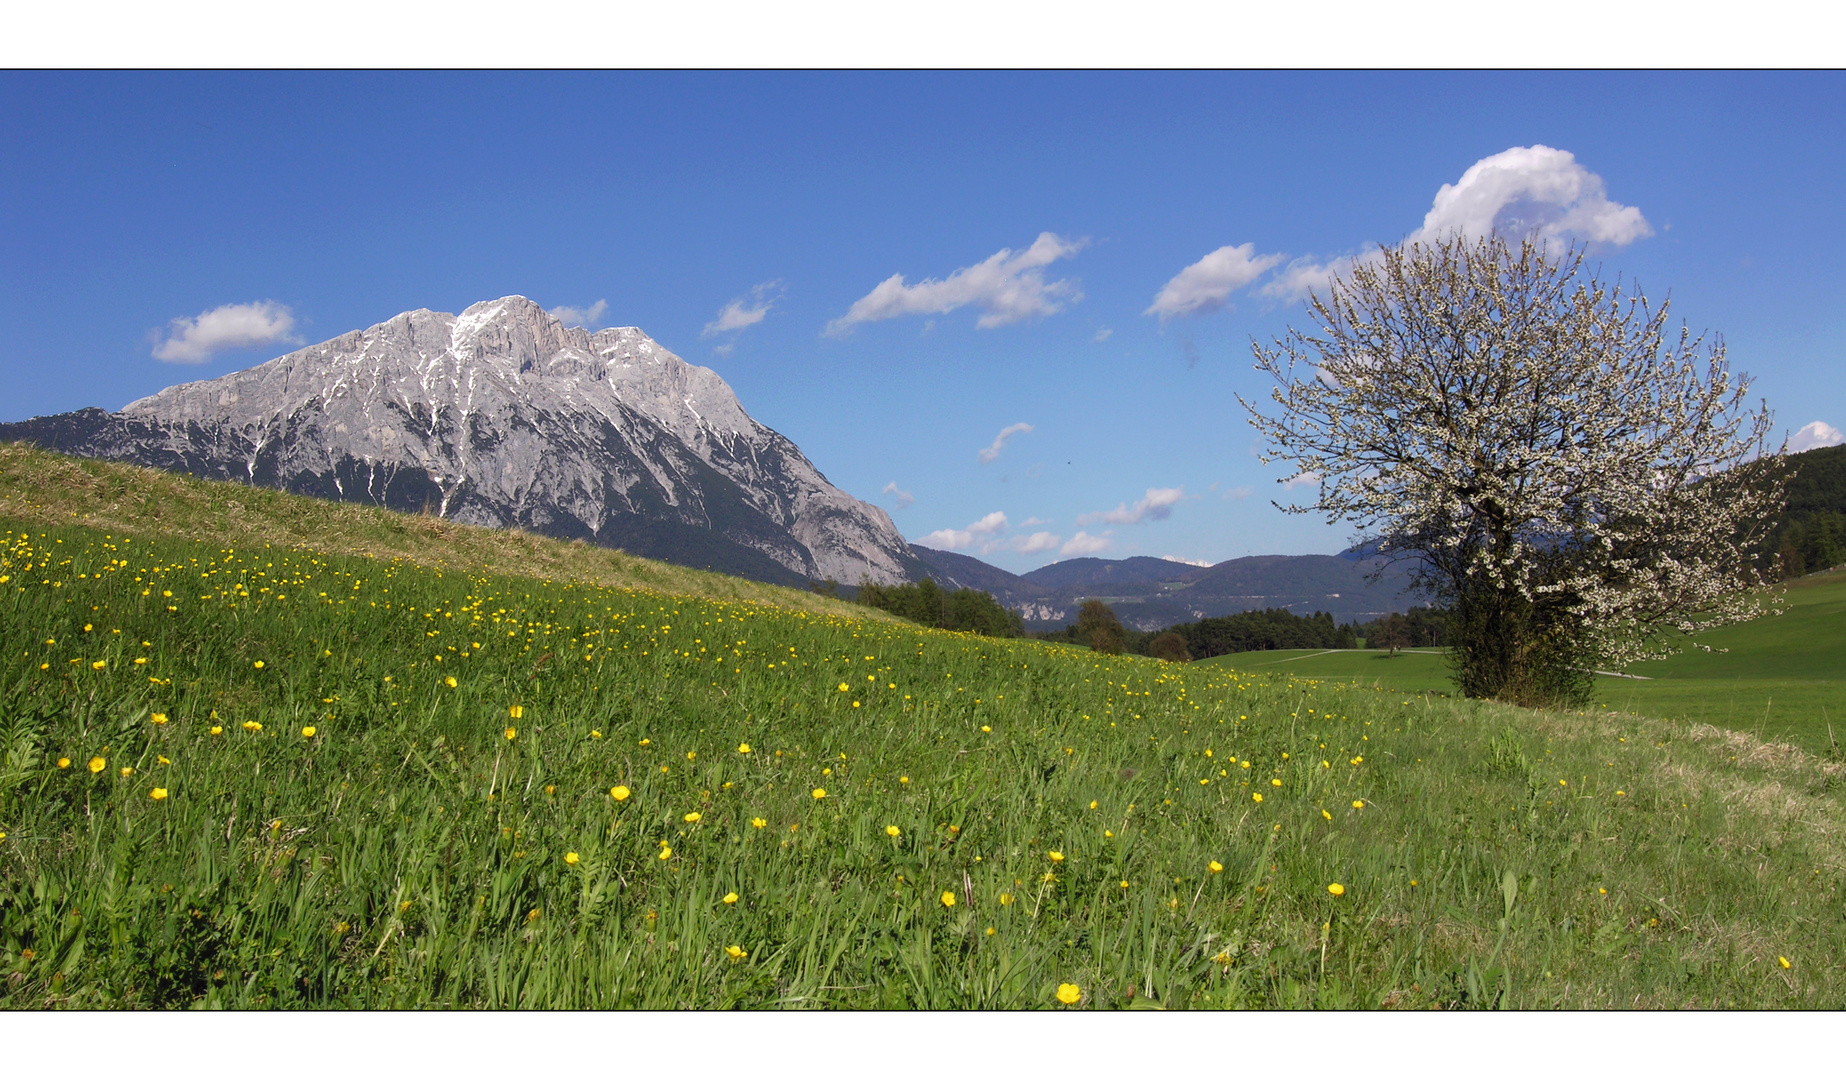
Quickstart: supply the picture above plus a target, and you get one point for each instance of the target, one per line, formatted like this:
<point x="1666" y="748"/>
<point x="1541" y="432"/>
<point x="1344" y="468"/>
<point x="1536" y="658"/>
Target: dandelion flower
<point x="820" y="793"/>
<point x="1055" y="856"/>
<point x="571" y="858"/>
<point x="757" y="823"/>
<point x="892" y="830"/>
<point x="1069" y="993"/>
<point x="692" y="818"/>
<point x="730" y="898"/>
<point x="159" y="718"/>
<point x="308" y="732"/>
<point x="64" y="763"/>
<point x="618" y="793"/>
<point x="1337" y="889"/>
<point x="734" y="953"/>
<point x="948" y="899"/>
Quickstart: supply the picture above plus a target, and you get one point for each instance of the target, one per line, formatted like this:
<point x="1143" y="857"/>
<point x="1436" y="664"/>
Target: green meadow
<point x="282" y="774"/>
<point x="1782" y="678"/>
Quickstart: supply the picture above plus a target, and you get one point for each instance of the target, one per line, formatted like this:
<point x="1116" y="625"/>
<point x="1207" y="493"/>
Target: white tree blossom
<point x="1562" y="469"/>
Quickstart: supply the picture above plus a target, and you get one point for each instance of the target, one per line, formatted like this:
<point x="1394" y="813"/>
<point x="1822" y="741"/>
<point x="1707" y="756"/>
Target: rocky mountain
<point x="1149" y="593"/>
<point x="503" y="416"/>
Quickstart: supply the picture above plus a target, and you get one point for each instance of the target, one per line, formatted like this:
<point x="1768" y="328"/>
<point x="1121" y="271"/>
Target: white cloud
<point x="1239" y="493"/>
<point x="1006" y="287"/>
<point x="903" y="498"/>
<point x="1531" y="189"/>
<point x="1815" y="435"/>
<point x="589" y="318"/>
<point x="1038" y="541"/>
<point x="955" y="539"/>
<point x="744" y="312"/>
<point x="1007" y="432"/>
<point x="1309" y="275"/>
<point x="1300" y="480"/>
<point x="1205" y="285"/>
<point x="1102" y="335"/>
<point x="233" y="326"/>
<point x="1084" y="544"/>
<point x="1156" y="505"/>
<point x="1188" y="562"/>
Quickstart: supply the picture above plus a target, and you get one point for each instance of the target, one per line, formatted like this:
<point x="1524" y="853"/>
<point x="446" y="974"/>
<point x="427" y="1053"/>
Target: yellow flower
<point x="1215" y="867"/>
<point x="903" y="779"/>
<point x="734" y="953"/>
<point x="1256" y="796"/>
<point x="128" y="770"/>
<point x="990" y="931"/>
<point x="692" y="755"/>
<point x="259" y="665"/>
<point x="159" y="718"/>
<point x="1055" y="856"/>
<point x="987" y="729"/>
<point x="1006" y="898"/>
<point x="449" y="681"/>
<point x="98" y="665"/>
<point x="826" y="772"/>
<point x="308" y="732"/>
<point x="1326" y="815"/>
<point x="1563" y="783"/>
<point x="892" y="830"/>
<point x="743" y="747"/>
<point x="216" y="730"/>
<point x="161" y="793"/>
<point x="644" y="742"/>
<point x="1337" y="889"/>
<point x="1124" y="883"/>
<point x="618" y="793"/>
<point x="1358" y="804"/>
<point x="948" y="899"/>
<point x="843" y="688"/>
<point x="1783" y="960"/>
<point x="571" y="858"/>
<point x="594" y="734"/>
<point x="1275" y="783"/>
<point x="692" y="818"/>
<point x="1092" y="804"/>
<point x="730" y="898"/>
<point x="516" y="712"/>
<point x="512" y="733"/>
<point x="820" y="793"/>
<point x="665" y="853"/>
<point x="1108" y="835"/>
<point x="1069" y="993"/>
<point x="252" y="725"/>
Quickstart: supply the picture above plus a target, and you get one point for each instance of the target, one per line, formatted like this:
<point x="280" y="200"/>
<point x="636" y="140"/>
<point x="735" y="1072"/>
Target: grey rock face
<point x="502" y="416"/>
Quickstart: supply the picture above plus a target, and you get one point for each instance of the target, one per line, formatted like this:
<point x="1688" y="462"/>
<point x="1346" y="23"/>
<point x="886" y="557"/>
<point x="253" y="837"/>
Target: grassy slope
<point x="409" y="851"/>
<point x="1781" y="677"/>
<point x="53" y="489"/>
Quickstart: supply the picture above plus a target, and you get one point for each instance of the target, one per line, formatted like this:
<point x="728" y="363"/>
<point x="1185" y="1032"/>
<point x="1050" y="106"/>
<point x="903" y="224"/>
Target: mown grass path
<point x="272" y="777"/>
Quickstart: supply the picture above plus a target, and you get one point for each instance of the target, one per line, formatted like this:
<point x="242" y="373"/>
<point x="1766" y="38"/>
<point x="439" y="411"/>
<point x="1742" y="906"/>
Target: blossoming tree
<point x="1580" y="485"/>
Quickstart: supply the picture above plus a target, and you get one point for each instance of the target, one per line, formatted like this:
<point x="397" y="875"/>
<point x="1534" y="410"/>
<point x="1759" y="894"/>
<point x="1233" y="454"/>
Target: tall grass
<point x="387" y="785"/>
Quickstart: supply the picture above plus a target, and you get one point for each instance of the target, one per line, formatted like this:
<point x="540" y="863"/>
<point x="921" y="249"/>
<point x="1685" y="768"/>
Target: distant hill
<point x="1149" y="593"/>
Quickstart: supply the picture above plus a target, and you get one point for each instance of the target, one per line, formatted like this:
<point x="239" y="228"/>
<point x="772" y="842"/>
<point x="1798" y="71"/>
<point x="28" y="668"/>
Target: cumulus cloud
<point x="1007" y="287"/>
<point x="1300" y="480"/>
<point x="1084" y="544"/>
<point x="1310" y="275"/>
<point x="1815" y="435"/>
<point x="745" y="311"/>
<point x="1038" y="541"/>
<point x="1532" y="189"/>
<point x="1239" y="493"/>
<point x="1156" y="505"/>
<point x="956" y="539"/>
<point x="1207" y="284"/>
<point x="233" y="326"/>
<point x="1188" y="562"/>
<point x="902" y="497"/>
<point x="589" y="318"/>
<point x="1007" y="432"/>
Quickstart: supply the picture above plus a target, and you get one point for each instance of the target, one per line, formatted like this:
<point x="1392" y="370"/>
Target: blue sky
<point x="338" y="200"/>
